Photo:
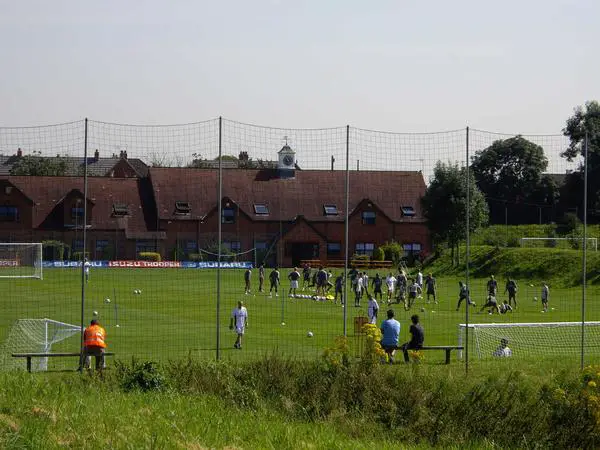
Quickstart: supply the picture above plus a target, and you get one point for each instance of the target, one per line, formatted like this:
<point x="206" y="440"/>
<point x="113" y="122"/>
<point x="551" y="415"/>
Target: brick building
<point x="285" y="213"/>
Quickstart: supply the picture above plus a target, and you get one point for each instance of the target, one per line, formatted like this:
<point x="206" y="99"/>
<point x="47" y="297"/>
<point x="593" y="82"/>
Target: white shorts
<point x="239" y="330"/>
<point x="294" y="284"/>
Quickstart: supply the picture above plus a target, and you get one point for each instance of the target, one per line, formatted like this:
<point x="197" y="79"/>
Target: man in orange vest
<point x="94" y="343"/>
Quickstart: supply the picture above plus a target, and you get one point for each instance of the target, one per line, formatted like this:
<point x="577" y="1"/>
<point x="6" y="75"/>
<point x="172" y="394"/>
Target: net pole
<point x="347" y="193"/>
<point x="584" y="262"/>
<point x="85" y="195"/>
<point x="467" y="253"/>
<point x="219" y="237"/>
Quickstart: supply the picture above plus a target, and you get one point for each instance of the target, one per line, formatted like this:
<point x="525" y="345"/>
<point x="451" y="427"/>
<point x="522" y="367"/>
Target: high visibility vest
<point x="94" y="336"/>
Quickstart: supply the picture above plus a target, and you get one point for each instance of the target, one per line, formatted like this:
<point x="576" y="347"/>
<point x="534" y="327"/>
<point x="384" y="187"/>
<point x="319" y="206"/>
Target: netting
<point x="35" y="336"/>
<point x="176" y="221"/>
<point x="20" y="260"/>
<point x="532" y="341"/>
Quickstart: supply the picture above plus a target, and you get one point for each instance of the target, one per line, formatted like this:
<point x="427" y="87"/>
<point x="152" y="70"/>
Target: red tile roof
<point x="47" y="192"/>
<point x="305" y="194"/>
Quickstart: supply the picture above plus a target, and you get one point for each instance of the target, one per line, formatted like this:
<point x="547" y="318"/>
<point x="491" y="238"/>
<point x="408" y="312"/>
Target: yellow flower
<point x="592" y="384"/>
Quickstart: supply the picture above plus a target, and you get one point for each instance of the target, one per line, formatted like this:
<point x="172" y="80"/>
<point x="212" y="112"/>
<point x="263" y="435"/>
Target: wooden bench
<point x="446" y="348"/>
<point x="29" y="356"/>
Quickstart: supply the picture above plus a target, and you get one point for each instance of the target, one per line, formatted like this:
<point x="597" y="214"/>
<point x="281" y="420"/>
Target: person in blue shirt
<point x="390" y="331"/>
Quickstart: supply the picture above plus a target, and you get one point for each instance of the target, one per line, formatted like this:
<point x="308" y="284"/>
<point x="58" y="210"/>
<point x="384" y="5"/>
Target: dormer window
<point x="368" y="217"/>
<point x="183" y="208"/>
<point x="77" y="212"/>
<point x="9" y="214"/>
<point x="408" y="211"/>
<point x="228" y="215"/>
<point x="261" y="209"/>
<point x="330" y="210"/>
<point x="120" y="210"/>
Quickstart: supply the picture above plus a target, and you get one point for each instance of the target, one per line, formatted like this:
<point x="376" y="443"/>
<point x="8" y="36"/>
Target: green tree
<point x="584" y="121"/>
<point x="38" y="165"/>
<point x="510" y="171"/>
<point x="445" y="206"/>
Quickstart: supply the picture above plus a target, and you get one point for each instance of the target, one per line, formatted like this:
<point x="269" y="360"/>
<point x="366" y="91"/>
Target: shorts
<point x="240" y="330"/>
<point x="412" y="295"/>
<point x="294" y="284"/>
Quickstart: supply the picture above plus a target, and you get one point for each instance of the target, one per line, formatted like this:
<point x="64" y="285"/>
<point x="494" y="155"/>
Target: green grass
<point x="175" y="316"/>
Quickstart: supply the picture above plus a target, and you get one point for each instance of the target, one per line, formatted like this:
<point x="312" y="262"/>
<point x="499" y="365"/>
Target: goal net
<point x="556" y="242"/>
<point x="531" y="339"/>
<point x="33" y="336"/>
<point x="20" y="260"/>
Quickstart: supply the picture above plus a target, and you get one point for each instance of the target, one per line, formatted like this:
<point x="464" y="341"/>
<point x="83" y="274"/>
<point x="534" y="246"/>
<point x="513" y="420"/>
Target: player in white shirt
<point x="390" y="281"/>
<point x="86" y="269"/>
<point x="420" y="283"/>
<point x="503" y="351"/>
<point x="372" y="310"/>
<point x="358" y="290"/>
<point x="239" y="319"/>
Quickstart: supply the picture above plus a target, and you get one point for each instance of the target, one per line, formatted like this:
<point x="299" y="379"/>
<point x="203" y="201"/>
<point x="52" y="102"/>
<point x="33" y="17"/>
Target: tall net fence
<point x="181" y="223"/>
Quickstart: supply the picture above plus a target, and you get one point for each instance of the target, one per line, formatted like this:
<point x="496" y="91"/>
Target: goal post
<point x="34" y="336"/>
<point x="531" y="339"/>
<point x="559" y="242"/>
<point x="21" y="260"/>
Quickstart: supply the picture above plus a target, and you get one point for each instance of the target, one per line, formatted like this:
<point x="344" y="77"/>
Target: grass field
<point x="175" y="316"/>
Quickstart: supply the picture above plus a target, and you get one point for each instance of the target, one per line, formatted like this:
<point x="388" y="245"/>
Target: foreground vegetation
<point x="334" y="402"/>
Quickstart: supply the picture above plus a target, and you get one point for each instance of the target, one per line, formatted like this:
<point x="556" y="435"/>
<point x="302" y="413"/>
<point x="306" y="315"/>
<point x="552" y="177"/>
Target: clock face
<point x="288" y="160"/>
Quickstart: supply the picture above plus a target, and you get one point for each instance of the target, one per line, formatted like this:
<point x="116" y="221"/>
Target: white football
<point x="283" y="323"/>
<point x="309" y="334"/>
<point x="107" y="300"/>
<point x="535" y="299"/>
<point x="95" y="313"/>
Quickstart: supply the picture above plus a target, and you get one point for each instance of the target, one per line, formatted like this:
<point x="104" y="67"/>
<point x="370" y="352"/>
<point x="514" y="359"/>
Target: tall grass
<point x="281" y="403"/>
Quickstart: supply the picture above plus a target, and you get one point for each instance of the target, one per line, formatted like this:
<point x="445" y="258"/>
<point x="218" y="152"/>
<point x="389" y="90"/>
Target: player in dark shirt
<point x="511" y="288"/>
<point x="492" y="286"/>
<point x="417" y="337"/>
<point x="274" y="280"/>
<point x="321" y="281"/>
<point x="376" y="283"/>
<point x="306" y="276"/>
<point x="247" y="276"/>
<point x="261" y="277"/>
<point x="339" y="285"/>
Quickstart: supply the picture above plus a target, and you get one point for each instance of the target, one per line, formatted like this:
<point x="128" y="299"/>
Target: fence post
<point x="219" y="237"/>
<point x="346" y="259"/>
<point x="467" y="253"/>
<point x="584" y="257"/>
<point x="85" y="195"/>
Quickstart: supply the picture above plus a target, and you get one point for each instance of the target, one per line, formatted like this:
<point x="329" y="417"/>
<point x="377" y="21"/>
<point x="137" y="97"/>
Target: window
<point x="330" y="210"/>
<point x="77" y="212"/>
<point x="261" y="209"/>
<point x="368" y="217"/>
<point x="101" y="244"/>
<point x="233" y="246"/>
<point x="9" y="214"/>
<point x="120" y="209"/>
<point x="365" y="248"/>
<point x="334" y="248"/>
<point x="182" y="208"/>
<point x="145" y="245"/>
<point x="260" y="245"/>
<point x="77" y="245"/>
<point x="228" y="215"/>
<point x="408" y="211"/>
<point x="411" y="249"/>
<point x="191" y="246"/>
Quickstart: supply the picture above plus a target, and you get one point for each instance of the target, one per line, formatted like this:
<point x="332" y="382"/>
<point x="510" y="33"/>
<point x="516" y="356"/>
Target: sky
<point x="403" y="66"/>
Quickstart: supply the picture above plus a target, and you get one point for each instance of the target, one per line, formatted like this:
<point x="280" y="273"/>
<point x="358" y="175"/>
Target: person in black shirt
<point x="261" y="278"/>
<point x="511" y="288"/>
<point x="306" y="276"/>
<point x="417" y="337"/>
<point x="377" y="282"/>
<point x="274" y="280"/>
<point x="247" y="276"/>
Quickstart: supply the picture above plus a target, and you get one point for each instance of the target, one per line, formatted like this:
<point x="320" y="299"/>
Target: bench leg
<point x="447" y="356"/>
<point x="29" y="364"/>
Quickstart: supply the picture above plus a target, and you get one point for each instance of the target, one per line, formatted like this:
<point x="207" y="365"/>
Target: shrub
<point x="393" y="251"/>
<point x="78" y="256"/>
<point x="378" y="254"/>
<point x="58" y="249"/>
<point x="195" y="256"/>
<point x="149" y="256"/>
<point x="143" y="376"/>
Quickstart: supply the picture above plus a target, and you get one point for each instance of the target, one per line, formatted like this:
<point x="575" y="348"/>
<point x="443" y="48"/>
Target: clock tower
<point x="286" y="164"/>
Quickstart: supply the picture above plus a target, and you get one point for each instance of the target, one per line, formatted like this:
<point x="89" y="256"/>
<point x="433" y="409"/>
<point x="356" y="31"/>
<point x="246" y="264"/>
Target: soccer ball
<point x="309" y="334"/>
<point x="95" y="313"/>
<point x="282" y="323"/>
<point x="107" y="300"/>
<point x="535" y="299"/>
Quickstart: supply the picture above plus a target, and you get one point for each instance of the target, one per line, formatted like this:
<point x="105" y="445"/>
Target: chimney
<point x="96" y="155"/>
<point x="125" y="154"/>
<point x="243" y="156"/>
<point x="121" y="154"/>
<point x="19" y="153"/>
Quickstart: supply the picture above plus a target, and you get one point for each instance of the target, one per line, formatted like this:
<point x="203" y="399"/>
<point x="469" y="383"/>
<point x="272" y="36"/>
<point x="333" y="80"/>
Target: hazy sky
<point x="510" y="66"/>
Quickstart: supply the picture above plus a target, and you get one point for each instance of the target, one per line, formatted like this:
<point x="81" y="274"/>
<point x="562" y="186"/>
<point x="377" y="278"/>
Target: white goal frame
<point x="37" y="268"/>
<point x="590" y="239"/>
<point x="500" y="326"/>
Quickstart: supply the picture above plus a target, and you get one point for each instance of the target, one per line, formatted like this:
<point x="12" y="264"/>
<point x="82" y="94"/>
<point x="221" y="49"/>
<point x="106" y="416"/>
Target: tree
<point x="510" y="172"/>
<point x="38" y="165"/>
<point x="445" y="205"/>
<point x="584" y="121"/>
